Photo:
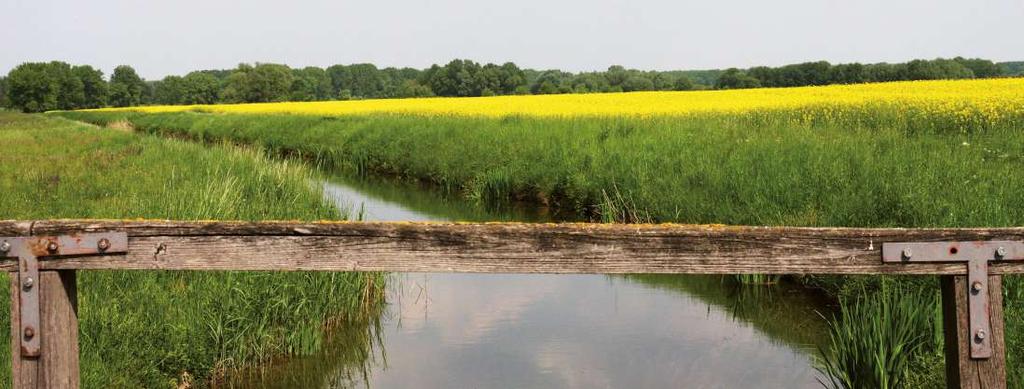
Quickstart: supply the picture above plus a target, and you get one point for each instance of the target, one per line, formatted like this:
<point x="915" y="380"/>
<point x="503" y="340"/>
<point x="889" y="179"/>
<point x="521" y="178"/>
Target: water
<point x="559" y="331"/>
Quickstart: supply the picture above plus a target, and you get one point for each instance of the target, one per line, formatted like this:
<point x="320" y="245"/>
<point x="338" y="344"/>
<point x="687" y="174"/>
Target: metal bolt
<point x="29" y="332"/>
<point x="28" y="283"/>
<point x="1000" y="252"/>
<point x="103" y="244"/>
<point x="5" y="247"/>
<point x="907" y="253"/>
<point x="979" y="335"/>
<point x="976" y="287"/>
<point x="52" y="246"/>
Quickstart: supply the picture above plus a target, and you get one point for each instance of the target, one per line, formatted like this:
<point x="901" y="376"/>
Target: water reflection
<point x="570" y="331"/>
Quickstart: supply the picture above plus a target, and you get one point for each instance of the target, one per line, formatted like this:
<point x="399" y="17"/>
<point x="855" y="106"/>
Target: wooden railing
<point x="44" y="321"/>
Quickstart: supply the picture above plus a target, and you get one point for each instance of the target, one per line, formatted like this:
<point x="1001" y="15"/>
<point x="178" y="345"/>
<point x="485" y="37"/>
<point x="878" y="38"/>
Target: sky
<point x="174" y="37"/>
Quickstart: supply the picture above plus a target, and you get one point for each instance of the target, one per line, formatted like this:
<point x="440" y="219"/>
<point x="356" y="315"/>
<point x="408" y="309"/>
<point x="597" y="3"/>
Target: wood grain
<point x="961" y="370"/>
<point x="509" y="247"/>
<point x="57" y="366"/>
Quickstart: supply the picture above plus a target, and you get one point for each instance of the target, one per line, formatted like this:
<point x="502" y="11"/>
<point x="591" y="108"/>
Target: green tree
<point x="258" y="84"/>
<point x="412" y="88"/>
<point x="38" y="87"/>
<point x="126" y="87"/>
<point x="982" y="68"/>
<point x="170" y="90"/>
<point x="200" y="88"/>
<point x="31" y="88"/>
<point x="95" y="88"/>
<point x="310" y="84"/>
<point x="3" y="93"/>
<point x="733" y="78"/>
<point x="637" y="82"/>
<point x="683" y="83"/>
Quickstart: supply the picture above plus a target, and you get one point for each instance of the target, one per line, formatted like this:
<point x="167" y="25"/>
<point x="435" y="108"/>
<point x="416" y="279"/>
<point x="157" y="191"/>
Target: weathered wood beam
<point x="509" y="247"/>
<point x="57" y="363"/>
<point x="962" y="371"/>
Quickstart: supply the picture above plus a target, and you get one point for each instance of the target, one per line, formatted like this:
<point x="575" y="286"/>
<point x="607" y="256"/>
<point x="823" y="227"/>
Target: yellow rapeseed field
<point x="989" y="100"/>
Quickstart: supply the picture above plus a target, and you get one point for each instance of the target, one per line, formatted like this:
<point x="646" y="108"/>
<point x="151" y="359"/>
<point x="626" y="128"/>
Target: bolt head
<point x="52" y="246"/>
<point x="907" y="253"/>
<point x="1001" y="252"/>
<point x="5" y="247"/>
<point x="979" y="335"/>
<point x="103" y="244"/>
<point x="28" y="283"/>
<point x="29" y="332"/>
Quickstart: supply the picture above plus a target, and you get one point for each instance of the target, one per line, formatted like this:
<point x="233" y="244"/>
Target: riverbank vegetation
<point x="167" y="329"/>
<point x="918" y="154"/>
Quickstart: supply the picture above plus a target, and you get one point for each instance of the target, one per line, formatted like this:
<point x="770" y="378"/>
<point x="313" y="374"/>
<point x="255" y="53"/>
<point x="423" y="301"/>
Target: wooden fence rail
<point x="494" y="248"/>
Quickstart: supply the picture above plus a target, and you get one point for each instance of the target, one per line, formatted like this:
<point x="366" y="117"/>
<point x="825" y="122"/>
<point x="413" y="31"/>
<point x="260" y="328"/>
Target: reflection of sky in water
<point x="573" y="331"/>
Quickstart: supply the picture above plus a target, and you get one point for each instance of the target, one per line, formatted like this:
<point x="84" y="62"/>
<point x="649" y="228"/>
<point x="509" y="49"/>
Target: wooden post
<point x="961" y="370"/>
<point x="57" y="367"/>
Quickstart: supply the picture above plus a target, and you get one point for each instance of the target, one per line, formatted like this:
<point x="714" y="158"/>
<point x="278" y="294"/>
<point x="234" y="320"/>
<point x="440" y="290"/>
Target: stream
<point x="556" y="331"/>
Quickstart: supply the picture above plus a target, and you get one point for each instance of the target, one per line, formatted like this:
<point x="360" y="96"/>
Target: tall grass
<point x="873" y="342"/>
<point x="154" y="329"/>
<point x="883" y="166"/>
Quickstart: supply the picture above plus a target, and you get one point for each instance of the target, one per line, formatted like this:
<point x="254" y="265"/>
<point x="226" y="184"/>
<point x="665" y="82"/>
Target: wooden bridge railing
<point x="44" y="255"/>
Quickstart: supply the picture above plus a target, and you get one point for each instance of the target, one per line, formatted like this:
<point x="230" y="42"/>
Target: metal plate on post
<point x="29" y="250"/>
<point x="28" y="302"/>
<point x="978" y="305"/>
<point x="952" y="251"/>
<point x="976" y="254"/>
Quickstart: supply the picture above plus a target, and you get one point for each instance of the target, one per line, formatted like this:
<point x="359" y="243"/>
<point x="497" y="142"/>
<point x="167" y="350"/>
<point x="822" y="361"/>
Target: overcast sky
<point x="174" y="37"/>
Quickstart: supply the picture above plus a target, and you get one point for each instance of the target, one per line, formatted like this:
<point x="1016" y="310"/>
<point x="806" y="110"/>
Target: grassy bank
<point x="885" y="168"/>
<point x="157" y="329"/>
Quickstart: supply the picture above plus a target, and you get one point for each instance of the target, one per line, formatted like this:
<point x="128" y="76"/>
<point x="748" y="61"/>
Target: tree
<point x="457" y="78"/>
<point x="3" y="93"/>
<point x="683" y="83"/>
<point x="71" y="91"/>
<point x="170" y="90"/>
<point x="31" y="88"/>
<point x="637" y="82"/>
<point x="258" y="84"/>
<point x="310" y="84"/>
<point x="94" y="86"/>
<point x="200" y="88"/>
<point x="126" y="87"/>
<point x="733" y="78"/>
<point x="412" y="88"/>
<point x="982" y="68"/>
<point x="38" y="87"/>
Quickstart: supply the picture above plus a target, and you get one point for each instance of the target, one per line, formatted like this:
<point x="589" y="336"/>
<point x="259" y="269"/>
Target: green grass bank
<point x="889" y="169"/>
<point x="161" y="329"/>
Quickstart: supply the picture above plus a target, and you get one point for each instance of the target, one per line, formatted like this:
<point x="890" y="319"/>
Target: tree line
<point x="44" y="86"/>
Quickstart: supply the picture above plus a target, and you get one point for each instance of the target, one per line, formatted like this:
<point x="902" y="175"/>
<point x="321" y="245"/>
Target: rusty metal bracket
<point x="976" y="254"/>
<point x="32" y="249"/>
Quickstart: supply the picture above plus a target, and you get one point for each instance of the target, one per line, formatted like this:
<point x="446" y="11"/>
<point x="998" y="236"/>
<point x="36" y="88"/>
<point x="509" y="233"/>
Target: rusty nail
<point x="979" y="335"/>
<point x="30" y="332"/>
<point x="976" y="287"/>
<point x="28" y="283"/>
<point x="5" y="247"/>
<point x="52" y="246"/>
<point x="1000" y="252"/>
<point x="907" y="253"/>
<point x="103" y="244"/>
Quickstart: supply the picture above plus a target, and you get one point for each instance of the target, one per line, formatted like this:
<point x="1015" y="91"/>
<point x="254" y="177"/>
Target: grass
<point x="885" y="168"/>
<point x="157" y="329"/>
<point x="874" y="341"/>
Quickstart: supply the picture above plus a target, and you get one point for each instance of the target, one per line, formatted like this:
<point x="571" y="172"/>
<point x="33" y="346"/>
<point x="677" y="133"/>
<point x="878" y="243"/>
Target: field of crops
<point x="962" y="103"/>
